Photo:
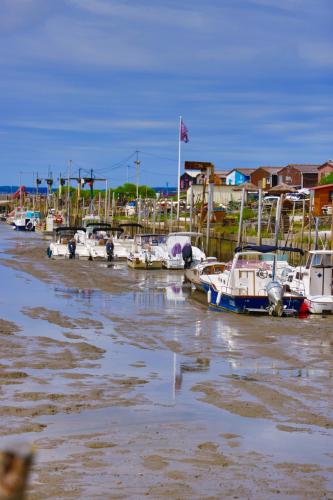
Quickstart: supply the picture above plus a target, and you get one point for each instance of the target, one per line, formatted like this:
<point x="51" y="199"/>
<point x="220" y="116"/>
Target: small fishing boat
<point x="68" y="243"/>
<point x="126" y="238"/>
<point x="315" y="281"/>
<point x="177" y="251"/>
<point x="143" y="252"/>
<point x="102" y="242"/>
<point x="26" y="220"/>
<point x="249" y="284"/>
<point x="204" y="274"/>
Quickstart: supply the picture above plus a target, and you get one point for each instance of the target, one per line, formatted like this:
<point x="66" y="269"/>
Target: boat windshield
<point x="319" y="260"/>
<point x="63" y="237"/>
<point x="151" y="239"/>
<point x="214" y="269"/>
<point x="254" y="261"/>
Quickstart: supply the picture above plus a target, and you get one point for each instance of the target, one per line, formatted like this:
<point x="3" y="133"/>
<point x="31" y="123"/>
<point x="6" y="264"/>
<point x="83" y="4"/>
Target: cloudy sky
<point x="93" y="81"/>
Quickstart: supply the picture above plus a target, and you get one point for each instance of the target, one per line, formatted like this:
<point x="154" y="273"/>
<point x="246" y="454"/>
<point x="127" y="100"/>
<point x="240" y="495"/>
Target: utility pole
<point x="20" y="182"/>
<point x="137" y="165"/>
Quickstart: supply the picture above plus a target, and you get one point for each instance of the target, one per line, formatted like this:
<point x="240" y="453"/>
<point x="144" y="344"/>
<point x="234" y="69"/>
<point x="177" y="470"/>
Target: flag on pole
<point x="183" y="132"/>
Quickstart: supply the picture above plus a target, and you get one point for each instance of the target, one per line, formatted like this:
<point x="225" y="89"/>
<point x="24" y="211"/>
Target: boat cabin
<point x="248" y="273"/>
<point x="148" y="240"/>
<point x="62" y="235"/>
<point x="319" y="272"/>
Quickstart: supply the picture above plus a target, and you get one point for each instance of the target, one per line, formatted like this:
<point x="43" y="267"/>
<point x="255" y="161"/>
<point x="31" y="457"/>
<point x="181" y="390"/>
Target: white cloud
<point x="91" y="125"/>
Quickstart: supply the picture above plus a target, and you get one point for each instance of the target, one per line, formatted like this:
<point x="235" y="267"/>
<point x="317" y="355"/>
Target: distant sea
<point x="165" y="191"/>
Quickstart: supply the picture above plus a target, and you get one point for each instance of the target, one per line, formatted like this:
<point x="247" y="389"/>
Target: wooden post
<point x="166" y="213"/>
<point x="316" y="233"/>
<point x="191" y="207"/>
<point x="309" y="232"/>
<point x="200" y="224"/>
<point x="332" y="229"/>
<point x="14" y="472"/>
<point x="277" y="218"/>
<point x="240" y="225"/>
<point x="209" y="210"/>
<point x="303" y="222"/>
<point x="259" y="217"/>
<point x="154" y="216"/>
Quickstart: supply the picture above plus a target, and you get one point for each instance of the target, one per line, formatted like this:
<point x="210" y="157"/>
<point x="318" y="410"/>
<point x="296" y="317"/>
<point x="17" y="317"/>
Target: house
<point x="325" y="169"/>
<point x="265" y="177"/>
<point x="221" y="195"/>
<point x="189" y="177"/>
<point x="322" y="195"/>
<point x="299" y="175"/>
<point x="220" y="175"/>
<point x="238" y="176"/>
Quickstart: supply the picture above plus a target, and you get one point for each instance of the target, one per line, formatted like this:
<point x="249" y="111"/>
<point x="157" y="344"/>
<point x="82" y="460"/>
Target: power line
<point x="157" y="156"/>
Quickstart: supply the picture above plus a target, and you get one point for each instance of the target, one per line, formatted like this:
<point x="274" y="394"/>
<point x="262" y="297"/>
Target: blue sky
<point x="93" y="81"/>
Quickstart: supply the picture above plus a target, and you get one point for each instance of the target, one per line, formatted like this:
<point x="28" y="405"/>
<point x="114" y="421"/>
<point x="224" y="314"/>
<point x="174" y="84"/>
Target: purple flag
<point x="183" y="132"/>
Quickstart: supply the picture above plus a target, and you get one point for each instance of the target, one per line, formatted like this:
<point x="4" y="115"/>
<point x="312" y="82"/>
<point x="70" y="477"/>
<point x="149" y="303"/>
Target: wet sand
<point x="131" y="388"/>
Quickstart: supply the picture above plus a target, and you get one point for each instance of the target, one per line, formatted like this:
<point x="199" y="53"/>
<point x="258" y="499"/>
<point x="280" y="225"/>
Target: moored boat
<point x="102" y="242"/>
<point x="204" y="274"/>
<point x="315" y="281"/>
<point x="143" y="252"/>
<point x="68" y="243"/>
<point x="177" y="251"/>
<point x="249" y="285"/>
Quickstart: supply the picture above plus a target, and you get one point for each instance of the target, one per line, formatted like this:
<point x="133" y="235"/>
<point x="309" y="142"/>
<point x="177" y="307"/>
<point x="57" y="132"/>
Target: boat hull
<point x="141" y="264"/>
<point x="250" y="304"/>
<point x="320" y="304"/>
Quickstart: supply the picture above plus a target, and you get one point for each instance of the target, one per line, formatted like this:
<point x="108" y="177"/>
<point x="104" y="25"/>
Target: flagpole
<point x="178" y="187"/>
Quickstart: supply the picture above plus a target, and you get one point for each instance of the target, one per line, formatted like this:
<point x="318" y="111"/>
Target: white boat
<point x="143" y="253"/>
<point x="26" y="220"/>
<point x="177" y="252"/>
<point x="68" y="243"/>
<point x="102" y="242"/>
<point x="204" y="274"/>
<point x="315" y="281"/>
<point x="126" y="238"/>
<point x="249" y="285"/>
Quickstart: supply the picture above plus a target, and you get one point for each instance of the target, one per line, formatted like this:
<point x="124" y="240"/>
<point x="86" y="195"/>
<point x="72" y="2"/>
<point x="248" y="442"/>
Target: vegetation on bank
<point x="125" y="192"/>
<point x="328" y="179"/>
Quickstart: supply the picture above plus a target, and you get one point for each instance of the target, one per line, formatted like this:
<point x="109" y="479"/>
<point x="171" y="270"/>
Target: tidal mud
<point x="129" y="388"/>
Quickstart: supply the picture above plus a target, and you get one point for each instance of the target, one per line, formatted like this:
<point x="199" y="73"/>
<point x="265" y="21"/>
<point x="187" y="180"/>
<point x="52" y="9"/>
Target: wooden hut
<point x="322" y="196"/>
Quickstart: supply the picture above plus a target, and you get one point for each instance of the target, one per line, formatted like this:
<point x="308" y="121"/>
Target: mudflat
<point x="129" y="387"/>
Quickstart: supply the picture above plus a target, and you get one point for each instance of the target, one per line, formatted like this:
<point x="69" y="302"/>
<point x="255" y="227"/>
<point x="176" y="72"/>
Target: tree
<point x="128" y="191"/>
<point x="328" y="179"/>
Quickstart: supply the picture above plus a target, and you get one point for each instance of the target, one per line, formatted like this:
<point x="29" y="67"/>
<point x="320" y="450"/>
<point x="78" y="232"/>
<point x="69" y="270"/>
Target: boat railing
<point x="299" y="287"/>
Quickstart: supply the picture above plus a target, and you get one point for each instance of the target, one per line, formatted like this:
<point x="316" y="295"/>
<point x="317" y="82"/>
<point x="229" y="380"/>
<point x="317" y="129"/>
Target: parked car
<point x="269" y="200"/>
<point x="295" y="196"/>
<point x="326" y="210"/>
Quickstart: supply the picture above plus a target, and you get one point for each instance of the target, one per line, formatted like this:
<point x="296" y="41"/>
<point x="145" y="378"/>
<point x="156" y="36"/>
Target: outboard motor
<point x="72" y="248"/>
<point x="109" y="247"/>
<point x="187" y="255"/>
<point x="275" y="298"/>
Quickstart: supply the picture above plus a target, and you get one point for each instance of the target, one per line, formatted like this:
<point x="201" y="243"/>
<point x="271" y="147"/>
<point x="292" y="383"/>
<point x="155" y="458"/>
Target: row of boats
<point x="258" y="279"/>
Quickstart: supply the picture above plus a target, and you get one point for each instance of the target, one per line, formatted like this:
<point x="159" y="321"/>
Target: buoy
<point x="304" y="307"/>
<point x="209" y="296"/>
